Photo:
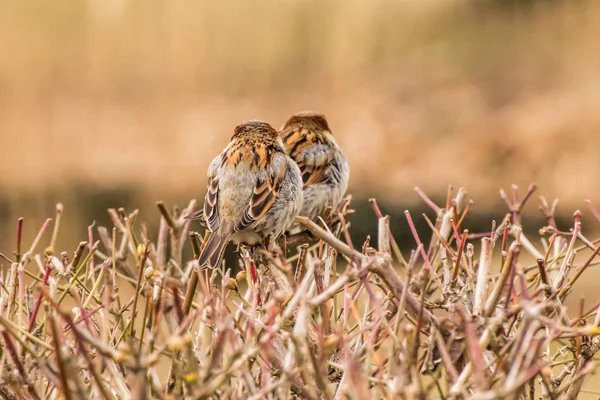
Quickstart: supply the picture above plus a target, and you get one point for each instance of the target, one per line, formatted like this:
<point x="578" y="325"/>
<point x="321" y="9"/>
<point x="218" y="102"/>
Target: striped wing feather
<point x="211" y="211"/>
<point x="263" y="197"/>
<point x="304" y="147"/>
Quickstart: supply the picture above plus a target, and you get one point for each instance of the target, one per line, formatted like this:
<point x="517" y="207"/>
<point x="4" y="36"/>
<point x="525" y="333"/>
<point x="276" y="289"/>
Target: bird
<point x="325" y="172"/>
<point x="254" y="192"/>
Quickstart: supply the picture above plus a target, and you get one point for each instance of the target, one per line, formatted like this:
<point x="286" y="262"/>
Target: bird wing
<point x="310" y="152"/>
<point x="266" y="191"/>
<point x="211" y="211"/>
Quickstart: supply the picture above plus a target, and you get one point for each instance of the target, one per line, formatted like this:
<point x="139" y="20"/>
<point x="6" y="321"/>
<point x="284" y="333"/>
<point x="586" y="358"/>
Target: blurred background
<point x="108" y="103"/>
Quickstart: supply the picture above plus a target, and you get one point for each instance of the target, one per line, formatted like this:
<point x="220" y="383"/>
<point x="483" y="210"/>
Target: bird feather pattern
<point x="244" y="201"/>
<point x="211" y="212"/>
<point x="324" y="168"/>
<point x="313" y="163"/>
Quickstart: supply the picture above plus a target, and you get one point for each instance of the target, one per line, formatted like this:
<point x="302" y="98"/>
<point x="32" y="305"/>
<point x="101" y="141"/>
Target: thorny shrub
<point x="130" y="316"/>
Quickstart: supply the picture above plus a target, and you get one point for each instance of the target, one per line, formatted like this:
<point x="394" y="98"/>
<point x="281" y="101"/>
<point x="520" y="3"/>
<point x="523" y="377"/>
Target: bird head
<point x="254" y="127"/>
<point x="308" y="118"/>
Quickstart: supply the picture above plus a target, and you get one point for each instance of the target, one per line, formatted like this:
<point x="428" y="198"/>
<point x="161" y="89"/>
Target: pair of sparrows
<point x="263" y="179"/>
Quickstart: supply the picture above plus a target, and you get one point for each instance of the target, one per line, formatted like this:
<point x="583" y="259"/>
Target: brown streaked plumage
<point x="324" y="168"/>
<point x="258" y="145"/>
<point x="254" y="191"/>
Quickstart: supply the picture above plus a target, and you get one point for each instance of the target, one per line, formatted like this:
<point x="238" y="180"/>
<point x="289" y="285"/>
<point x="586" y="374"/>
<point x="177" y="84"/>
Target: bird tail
<point x="213" y="251"/>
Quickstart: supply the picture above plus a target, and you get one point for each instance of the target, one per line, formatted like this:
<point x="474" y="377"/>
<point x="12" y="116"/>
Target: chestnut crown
<point x="254" y="126"/>
<point x="310" y="118"/>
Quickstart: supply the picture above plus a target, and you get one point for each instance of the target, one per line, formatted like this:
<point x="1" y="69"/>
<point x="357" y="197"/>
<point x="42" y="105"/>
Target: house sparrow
<point x="254" y="191"/>
<point x="325" y="172"/>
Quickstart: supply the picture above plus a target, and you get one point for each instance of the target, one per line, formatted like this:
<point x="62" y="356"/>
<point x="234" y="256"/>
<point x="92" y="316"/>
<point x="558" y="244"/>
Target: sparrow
<point x="254" y="191"/>
<point x="324" y="167"/>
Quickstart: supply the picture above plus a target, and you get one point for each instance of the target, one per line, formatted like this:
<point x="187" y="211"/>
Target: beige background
<point x="106" y="103"/>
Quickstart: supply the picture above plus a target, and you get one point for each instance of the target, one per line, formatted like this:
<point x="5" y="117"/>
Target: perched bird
<point x="254" y="191"/>
<point x="325" y="172"/>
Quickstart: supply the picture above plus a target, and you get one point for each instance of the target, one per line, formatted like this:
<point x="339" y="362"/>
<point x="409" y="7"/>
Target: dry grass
<point x="467" y="317"/>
